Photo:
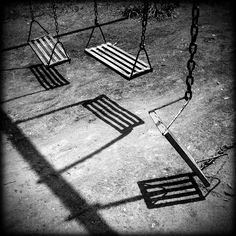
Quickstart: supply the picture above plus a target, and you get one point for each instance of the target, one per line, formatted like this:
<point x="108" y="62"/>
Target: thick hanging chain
<point x="31" y="10"/>
<point x="192" y="50"/>
<point x="144" y="24"/>
<point x="95" y="12"/>
<point x="55" y="17"/>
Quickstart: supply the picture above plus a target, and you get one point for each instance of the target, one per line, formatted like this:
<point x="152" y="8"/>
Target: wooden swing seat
<point x="178" y="147"/>
<point x="118" y="60"/>
<point x="43" y="47"/>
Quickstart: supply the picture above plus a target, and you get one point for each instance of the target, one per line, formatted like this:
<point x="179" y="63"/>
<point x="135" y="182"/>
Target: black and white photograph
<point x="117" y="117"/>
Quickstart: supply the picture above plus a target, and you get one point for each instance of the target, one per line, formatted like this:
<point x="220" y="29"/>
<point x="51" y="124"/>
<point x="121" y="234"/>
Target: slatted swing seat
<point x="183" y="152"/>
<point x="50" y="51"/>
<point x="119" y="60"/>
<point x="116" y="58"/>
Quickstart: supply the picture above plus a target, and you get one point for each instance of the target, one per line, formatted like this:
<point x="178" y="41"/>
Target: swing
<point x="163" y="128"/>
<point x="51" y="52"/>
<point x="117" y="59"/>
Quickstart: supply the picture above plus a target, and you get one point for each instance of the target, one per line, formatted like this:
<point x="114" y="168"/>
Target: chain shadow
<point x="171" y="190"/>
<point x="50" y="112"/>
<point x="16" y="68"/>
<point x="49" y="78"/>
<point x="71" y="199"/>
<point x="123" y="114"/>
<point x="112" y="113"/>
<point x="125" y="133"/>
<point x="99" y="206"/>
<point x="25" y="95"/>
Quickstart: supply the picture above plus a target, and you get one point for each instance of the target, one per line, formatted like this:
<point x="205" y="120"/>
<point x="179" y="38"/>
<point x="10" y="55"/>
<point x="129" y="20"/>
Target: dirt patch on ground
<point x="70" y="168"/>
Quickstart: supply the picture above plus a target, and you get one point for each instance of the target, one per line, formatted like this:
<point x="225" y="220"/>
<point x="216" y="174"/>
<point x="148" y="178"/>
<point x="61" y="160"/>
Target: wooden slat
<point x="56" y="51"/>
<point x="59" y="45"/>
<point x="122" y="56"/>
<point x="47" y="49"/>
<point x="131" y="59"/>
<point x="119" y="59"/>
<point x="51" y="46"/>
<point x="38" y="52"/>
<point x="179" y="148"/>
<point x="101" y="59"/>
<point x="60" y="50"/>
<point x="43" y="48"/>
<point x="108" y="58"/>
<point x="127" y="54"/>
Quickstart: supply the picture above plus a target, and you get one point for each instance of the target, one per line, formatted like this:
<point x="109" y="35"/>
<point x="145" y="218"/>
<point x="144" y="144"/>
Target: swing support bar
<point x="179" y="148"/>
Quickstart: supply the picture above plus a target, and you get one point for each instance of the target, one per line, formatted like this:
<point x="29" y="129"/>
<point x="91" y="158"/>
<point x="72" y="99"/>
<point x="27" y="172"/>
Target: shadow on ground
<point x="63" y="190"/>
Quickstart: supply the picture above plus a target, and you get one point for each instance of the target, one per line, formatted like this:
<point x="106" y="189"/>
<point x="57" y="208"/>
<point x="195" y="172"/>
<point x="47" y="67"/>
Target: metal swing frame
<point x="117" y="59"/>
<point x="50" y="51"/>
<point x="163" y="128"/>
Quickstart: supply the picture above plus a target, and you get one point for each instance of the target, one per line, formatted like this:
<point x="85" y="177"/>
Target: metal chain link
<point x="95" y="12"/>
<point x="144" y="24"/>
<point x="55" y="17"/>
<point x="192" y="50"/>
<point x="31" y="10"/>
<point x="221" y="151"/>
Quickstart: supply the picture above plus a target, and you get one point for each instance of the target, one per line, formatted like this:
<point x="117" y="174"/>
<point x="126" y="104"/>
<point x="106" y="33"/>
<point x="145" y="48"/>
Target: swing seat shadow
<point x="112" y="113"/>
<point x="171" y="190"/>
<point x="159" y="192"/>
<point x="48" y="77"/>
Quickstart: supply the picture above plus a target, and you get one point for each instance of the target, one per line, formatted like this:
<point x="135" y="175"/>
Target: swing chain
<point x="192" y="50"/>
<point x="95" y="12"/>
<point x="55" y="18"/>
<point x="144" y="24"/>
<point x="31" y="10"/>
